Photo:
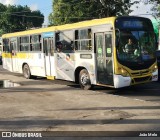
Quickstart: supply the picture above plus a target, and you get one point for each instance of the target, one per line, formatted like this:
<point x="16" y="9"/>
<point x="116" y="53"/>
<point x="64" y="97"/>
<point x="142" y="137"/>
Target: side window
<point x="64" y="42"/>
<point x="35" y="43"/>
<point x="59" y="45"/>
<point x="6" y="45"/>
<point x="83" y="40"/>
<point x="13" y="44"/>
<point x="24" y="43"/>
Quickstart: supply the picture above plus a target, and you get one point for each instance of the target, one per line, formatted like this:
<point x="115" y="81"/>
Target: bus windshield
<point x="135" y="41"/>
<point x="136" y="46"/>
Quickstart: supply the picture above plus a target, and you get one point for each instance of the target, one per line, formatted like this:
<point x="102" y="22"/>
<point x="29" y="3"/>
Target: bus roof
<point x="62" y="27"/>
<point x="82" y="24"/>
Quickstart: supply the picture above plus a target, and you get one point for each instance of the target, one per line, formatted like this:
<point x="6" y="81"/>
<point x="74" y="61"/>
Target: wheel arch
<point x="30" y="74"/>
<point x="76" y="73"/>
<point x="24" y="64"/>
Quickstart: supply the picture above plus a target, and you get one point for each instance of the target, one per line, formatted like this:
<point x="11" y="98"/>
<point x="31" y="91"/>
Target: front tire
<point x="84" y="80"/>
<point x="26" y="71"/>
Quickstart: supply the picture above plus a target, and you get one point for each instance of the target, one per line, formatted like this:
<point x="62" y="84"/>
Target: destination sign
<point x="132" y="24"/>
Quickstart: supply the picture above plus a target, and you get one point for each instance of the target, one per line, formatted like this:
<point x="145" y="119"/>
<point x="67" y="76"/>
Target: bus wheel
<point x="26" y="71"/>
<point x="84" y="80"/>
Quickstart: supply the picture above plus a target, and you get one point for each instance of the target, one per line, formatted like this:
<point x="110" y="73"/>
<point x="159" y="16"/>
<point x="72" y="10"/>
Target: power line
<point x="27" y="16"/>
<point x="16" y="14"/>
<point x="74" y="17"/>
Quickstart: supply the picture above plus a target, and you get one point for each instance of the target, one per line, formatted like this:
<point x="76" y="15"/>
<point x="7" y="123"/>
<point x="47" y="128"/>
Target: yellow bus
<point x="94" y="52"/>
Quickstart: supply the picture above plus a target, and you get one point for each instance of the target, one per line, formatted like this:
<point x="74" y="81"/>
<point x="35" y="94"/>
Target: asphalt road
<point x="45" y="105"/>
<point x="147" y="92"/>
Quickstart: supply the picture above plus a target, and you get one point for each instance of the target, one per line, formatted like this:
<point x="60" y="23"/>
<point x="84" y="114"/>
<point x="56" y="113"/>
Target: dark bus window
<point x="36" y="43"/>
<point x="6" y="45"/>
<point x="24" y="43"/>
<point x="65" y="42"/>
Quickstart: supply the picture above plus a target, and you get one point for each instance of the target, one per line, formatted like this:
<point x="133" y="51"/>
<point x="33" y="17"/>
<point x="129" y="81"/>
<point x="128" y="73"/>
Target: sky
<point x="45" y="6"/>
<point x="142" y="9"/>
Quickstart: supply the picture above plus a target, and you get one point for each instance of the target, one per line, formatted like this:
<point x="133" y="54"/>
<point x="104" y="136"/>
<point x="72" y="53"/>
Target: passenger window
<point x="6" y="45"/>
<point x="36" y="43"/>
<point x="64" y="42"/>
<point x="83" y="40"/>
<point x="24" y="43"/>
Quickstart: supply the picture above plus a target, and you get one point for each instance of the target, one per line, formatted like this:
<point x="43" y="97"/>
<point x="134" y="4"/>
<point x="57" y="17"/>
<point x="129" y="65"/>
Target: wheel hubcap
<point x="84" y="79"/>
<point x="26" y="72"/>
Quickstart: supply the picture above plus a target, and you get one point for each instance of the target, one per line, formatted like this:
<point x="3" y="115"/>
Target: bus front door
<point x="104" y="58"/>
<point x="48" y="46"/>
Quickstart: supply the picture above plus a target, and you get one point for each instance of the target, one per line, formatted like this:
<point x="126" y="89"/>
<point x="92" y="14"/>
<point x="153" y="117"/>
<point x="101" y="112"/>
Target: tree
<point x="156" y="7"/>
<point x="69" y="11"/>
<point x="18" y="18"/>
<point x="156" y="14"/>
<point x="2" y="18"/>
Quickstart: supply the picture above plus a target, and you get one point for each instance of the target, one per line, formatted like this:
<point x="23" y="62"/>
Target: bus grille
<point x="140" y="73"/>
<point x="142" y="79"/>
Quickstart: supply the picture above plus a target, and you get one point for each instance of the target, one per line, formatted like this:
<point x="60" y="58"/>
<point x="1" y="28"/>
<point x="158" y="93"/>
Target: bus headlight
<point x="124" y="72"/>
<point x="154" y="68"/>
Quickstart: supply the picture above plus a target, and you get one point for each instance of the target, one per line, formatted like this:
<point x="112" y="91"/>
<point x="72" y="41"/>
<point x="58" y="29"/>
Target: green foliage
<point x="18" y="18"/>
<point x="156" y="7"/>
<point x="69" y="11"/>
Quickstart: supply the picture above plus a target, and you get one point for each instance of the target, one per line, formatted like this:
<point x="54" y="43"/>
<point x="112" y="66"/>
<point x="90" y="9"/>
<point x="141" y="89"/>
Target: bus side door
<point x="48" y="48"/>
<point x="104" y="58"/>
<point x="14" y="49"/>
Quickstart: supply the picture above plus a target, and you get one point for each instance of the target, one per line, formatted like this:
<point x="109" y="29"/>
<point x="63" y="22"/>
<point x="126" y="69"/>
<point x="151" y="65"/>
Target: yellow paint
<point x="6" y="55"/>
<point x="18" y="55"/>
<point x="82" y="24"/>
<point x="51" y="77"/>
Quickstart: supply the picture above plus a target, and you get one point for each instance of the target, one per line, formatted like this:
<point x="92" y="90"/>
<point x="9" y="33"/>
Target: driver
<point x="129" y="47"/>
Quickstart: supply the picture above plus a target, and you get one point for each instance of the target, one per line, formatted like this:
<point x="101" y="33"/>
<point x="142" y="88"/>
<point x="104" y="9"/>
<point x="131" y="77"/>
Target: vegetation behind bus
<point x="18" y="18"/>
<point x="70" y="11"/>
<point x="67" y="11"/>
<point x="156" y="25"/>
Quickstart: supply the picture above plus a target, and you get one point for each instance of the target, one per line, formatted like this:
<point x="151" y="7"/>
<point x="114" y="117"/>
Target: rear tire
<point x="26" y="72"/>
<point x="84" y="80"/>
